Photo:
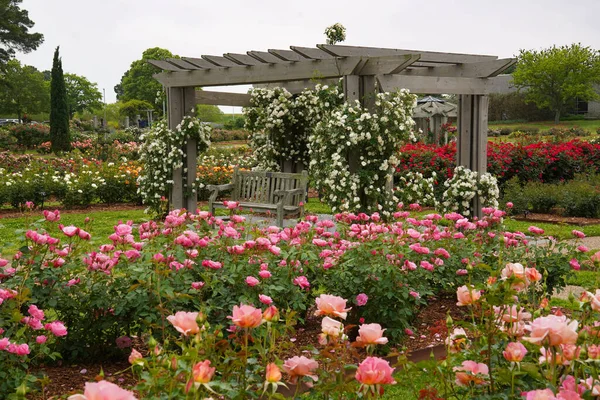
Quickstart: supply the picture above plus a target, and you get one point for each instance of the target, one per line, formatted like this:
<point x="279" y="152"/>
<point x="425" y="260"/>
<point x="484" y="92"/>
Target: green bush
<point x="7" y="140"/>
<point x="30" y="135"/>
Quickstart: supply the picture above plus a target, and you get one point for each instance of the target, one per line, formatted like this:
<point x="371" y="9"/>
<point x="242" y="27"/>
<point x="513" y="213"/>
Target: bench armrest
<point x="285" y="194"/>
<point x="219" y="188"/>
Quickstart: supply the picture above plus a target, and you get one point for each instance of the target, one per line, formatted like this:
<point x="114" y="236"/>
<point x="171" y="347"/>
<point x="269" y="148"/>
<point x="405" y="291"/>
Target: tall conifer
<point x="59" y="111"/>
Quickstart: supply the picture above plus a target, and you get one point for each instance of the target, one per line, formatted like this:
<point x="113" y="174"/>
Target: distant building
<point x="591" y="109"/>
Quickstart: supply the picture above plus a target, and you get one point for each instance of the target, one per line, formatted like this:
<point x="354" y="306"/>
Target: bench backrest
<point x="260" y="186"/>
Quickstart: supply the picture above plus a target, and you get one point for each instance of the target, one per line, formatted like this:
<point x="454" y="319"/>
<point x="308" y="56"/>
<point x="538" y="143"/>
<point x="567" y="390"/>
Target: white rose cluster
<point x="162" y="151"/>
<point x="413" y="187"/>
<point x="464" y="186"/>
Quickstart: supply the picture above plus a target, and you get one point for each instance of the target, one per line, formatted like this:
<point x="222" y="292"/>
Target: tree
<point x="556" y="76"/>
<point x="208" y="113"/>
<point x="59" y="110"/>
<point x="132" y="108"/>
<point x="81" y="94"/>
<point x="23" y="90"/>
<point x="138" y="83"/>
<point x="14" y="31"/>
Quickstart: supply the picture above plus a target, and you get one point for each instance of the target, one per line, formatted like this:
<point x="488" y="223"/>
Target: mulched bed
<point x="557" y="219"/>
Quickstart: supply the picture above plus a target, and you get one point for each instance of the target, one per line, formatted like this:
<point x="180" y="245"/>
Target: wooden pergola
<point x="365" y="72"/>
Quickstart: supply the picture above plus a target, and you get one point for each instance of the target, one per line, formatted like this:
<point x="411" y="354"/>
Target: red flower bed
<point x="546" y="162"/>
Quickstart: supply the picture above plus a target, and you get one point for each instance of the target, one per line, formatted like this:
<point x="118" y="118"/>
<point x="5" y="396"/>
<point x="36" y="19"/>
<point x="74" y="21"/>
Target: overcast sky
<point x="100" y="38"/>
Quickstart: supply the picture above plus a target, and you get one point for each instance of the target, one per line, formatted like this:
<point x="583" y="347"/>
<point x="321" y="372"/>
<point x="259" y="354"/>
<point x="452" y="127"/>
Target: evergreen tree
<point x="59" y="110"/>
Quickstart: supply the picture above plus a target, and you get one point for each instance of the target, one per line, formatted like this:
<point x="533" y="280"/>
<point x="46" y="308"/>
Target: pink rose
<point x="265" y="274"/>
<point x="578" y="234"/>
<point x="515" y="351"/>
<point x="103" y="390"/>
<point x="596" y="257"/>
<point x="52" y="216"/>
<point x="41" y="339"/>
<point x="535" y="230"/>
<point x="331" y="305"/>
<point x="575" y="264"/>
<point x="300" y="366"/>
<point x="203" y="372"/>
<point x="197" y="285"/>
<point x="471" y="371"/>
<point x="330" y="328"/>
<point x="540" y="394"/>
<point x="375" y="371"/>
<point x="185" y="322"/>
<point x="467" y="295"/>
<point x="36" y="312"/>
<point x="553" y="329"/>
<point x="57" y="328"/>
<point x="369" y="334"/>
<point x="265" y="299"/>
<point x="252" y="281"/>
<point x="4" y="343"/>
<point x="135" y="356"/>
<point x="361" y="299"/>
<point x="301" y="281"/>
<point x="70" y="231"/>
<point x="246" y="316"/>
<point x="19" y="349"/>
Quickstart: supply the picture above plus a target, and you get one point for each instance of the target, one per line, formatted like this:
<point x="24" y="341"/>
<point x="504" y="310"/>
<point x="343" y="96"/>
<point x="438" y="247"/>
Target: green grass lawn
<point x="590" y="125"/>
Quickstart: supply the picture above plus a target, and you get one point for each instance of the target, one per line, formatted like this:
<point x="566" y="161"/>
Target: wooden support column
<point x="181" y="102"/>
<point x="471" y="149"/>
<point x="351" y="94"/>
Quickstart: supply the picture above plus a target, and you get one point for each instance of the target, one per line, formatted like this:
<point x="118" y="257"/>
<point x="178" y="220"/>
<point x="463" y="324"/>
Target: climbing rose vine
<point x="162" y="152"/>
<point x="464" y="186"/>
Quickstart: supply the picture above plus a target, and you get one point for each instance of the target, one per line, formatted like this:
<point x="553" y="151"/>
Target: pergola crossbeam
<point x="265" y="57"/>
<point x="387" y="65"/>
<point x="220" y="61"/>
<point x="287" y="55"/>
<point x="199" y="62"/>
<point x="222" y="98"/>
<point x="441" y="84"/>
<point x="311" y="53"/>
<point x="165" y="65"/>
<point x="242" y="59"/>
<point x="182" y="64"/>
<point x="484" y="69"/>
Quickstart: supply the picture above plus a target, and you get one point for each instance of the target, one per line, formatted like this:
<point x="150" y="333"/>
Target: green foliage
<point x="132" y="108"/>
<point x="234" y="122"/>
<point x="23" y="90"/>
<point x="30" y="135"/>
<point x="512" y="106"/>
<point x="14" y="31"/>
<point x="81" y="94"/>
<point x="138" y="84"/>
<point x="59" y="110"/>
<point x="335" y="33"/>
<point x="208" y="113"/>
<point x="555" y="76"/>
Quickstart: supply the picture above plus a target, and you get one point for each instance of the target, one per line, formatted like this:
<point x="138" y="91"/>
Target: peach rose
<point x="375" y="371"/>
<point x="300" y="366"/>
<point x="331" y="305"/>
<point x="515" y="351"/>
<point x="540" y="394"/>
<point x="135" y="356"/>
<point x="103" y="390"/>
<point x="273" y="374"/>
<point x="246" y="316"/>
<point x="371" y="334"/>
<point x="457" y="340"/>
<point x="533" y="275"/>
<point x="512" y="314"/>
<point x="203" y="372"/>
<point x="594" y="299"/>
<point x="185" y="322"/>
<point x="555" y="329"/>
<point x="467" y="295"/>
<point x="471" y="371"/>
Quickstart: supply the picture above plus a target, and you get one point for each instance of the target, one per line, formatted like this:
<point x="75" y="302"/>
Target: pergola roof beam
<point x="444" y="85"/>
<point x="182" y="64"/>
<point x="311" y="53"/>
<point x="485" y="69"/>
<point x="265" y="57"/>
<point x="265" y="73"/>
<point x="165" y="65"/>
<point x="287" y="55"/>
<point x="222" y="98"/>
<point x="199" y="62"/>
<point x="426" y="56"/>
<point x="387" y="65"/>
<point x="298" y="86"/>
<point x="242" y="59"/>
<point x="221" y="61"/>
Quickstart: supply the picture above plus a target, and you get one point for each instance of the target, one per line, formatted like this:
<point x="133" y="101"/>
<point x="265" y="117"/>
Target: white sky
<point x="100" y="39"/>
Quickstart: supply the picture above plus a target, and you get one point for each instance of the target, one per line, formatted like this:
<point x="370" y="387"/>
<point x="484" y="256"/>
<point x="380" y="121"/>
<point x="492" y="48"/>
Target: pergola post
<point x="181" y="102"/>
<point x="471" y="148"/>
<point x="351" y="94"/>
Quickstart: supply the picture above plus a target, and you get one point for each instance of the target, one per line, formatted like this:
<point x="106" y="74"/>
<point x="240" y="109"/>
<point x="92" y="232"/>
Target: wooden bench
<point x="264" y="191"/>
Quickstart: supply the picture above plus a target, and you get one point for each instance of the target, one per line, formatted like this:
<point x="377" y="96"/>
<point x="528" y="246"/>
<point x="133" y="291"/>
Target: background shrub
<point x="30" y="135"/>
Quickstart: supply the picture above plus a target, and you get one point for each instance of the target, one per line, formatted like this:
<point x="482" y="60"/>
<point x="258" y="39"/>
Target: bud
<point x="544" y="303"/>
<point x="202" y="372"/>
<point x="271" y="314"/>
<point x="449" y="320"/>
<point x="135" y="357"/>
<point x="273" y="373"/>
<point x="174" y="363"/>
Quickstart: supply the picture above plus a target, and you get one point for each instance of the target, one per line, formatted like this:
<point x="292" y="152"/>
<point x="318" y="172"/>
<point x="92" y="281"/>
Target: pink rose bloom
<point x="73" y="282"/>
<point x="375" y="371"/>
<point x="135" y="356"/>
<point x="414" y="294"/>
<point x="52" y="216"/>
<point x="36" y="312"/>
<point x="57" y="328"/>
<point x="461" y="272"/>
<point x="533" y="275"/>
<point x="271" y="313"/>
<point x="301" y="281"/>
<point x="300" y="366"/>
<point x="19" y="349"/>
<point x="512" y="313"/>
<point x="596" y="257"/>
<point x="83" y="235"/>
<point x="361" y="299"/>
<point x="231" y="204"/>
<point x="4" y="343"/>
<point x="41" y="339"/>
<point x="592" y="384"/>
<point x="593" y="352"/>
<point x="246" y="316"/>
<point x="409" y="332"/>
<point x="197" y="285"/>
<point x="231" y="232"/>
<point x="252" y="281"/>
<point x="123" y="229"/>
<point x="331" y="305"/>
<point x="540" y="394"/>
<point x="369" y="334"/>
<point x="265" y="274"/>
<point x="553" y="329"/>
<point x="467" y="296"/>
<point x="265" y="299"/>
<point x="578" y="234"/>
<point x="568" y="395"/>
<point x="471" y="371"/>
<point x="103" y="390"/>
<point x="575" y="264"/>
<point x="212" y="264"/>
<point x="70" y="231"/>
<point x="509" y="204"/>
<point x="185" y="322"/>
<point x="535" y="230"/>
<point x="330" y="327"/>
<point x="515" y="351"/>
<point x="583" y="249"/>
<point x="275" y="250"/>
<point x="3" y="262"/>
<point x="203" y="372"/>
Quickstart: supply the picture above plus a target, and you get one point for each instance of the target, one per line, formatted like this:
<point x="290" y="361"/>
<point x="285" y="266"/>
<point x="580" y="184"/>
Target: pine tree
<point x="59" y="111"/>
